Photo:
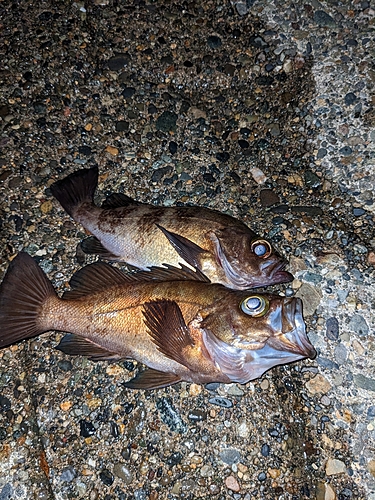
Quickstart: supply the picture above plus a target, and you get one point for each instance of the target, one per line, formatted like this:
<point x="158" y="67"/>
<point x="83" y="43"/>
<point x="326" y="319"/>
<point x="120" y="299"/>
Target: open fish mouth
<point x="279" y="275"/>
<point x="295" y="340"/>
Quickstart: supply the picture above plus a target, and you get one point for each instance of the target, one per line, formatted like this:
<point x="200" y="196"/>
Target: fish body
<point x="144" y="235"/>
<point x="182" y="329"/>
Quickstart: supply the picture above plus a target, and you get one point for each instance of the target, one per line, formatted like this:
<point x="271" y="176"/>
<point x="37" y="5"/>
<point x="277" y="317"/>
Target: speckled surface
<point x="264" y="110"/>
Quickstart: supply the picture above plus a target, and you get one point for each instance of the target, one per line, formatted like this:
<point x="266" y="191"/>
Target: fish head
<point x="247" y="260"/>
<point x="250" y="321"/>
<point x="256" y="334"/>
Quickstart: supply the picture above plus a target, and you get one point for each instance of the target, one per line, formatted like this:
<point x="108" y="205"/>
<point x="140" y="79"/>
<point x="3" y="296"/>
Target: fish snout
<point x="273" y="271"/>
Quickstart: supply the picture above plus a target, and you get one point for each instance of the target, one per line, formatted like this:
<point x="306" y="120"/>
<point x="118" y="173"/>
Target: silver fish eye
<point x="261" y="248"/>
<point x="255" y="305"/>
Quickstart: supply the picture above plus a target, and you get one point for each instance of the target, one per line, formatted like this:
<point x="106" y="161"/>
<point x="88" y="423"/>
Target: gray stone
<point x="364" y="382"/>
<point x="341" y="354"/>
<point x="68" y="474"/>
<point x="120" y="470"/>
<point x="359" y="325"/>
<point x="230" y="456"/>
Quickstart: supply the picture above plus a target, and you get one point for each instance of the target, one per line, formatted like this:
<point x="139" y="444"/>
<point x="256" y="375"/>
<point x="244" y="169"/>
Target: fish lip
<point x="279" y="275"/>
<point x="294" y="314"/>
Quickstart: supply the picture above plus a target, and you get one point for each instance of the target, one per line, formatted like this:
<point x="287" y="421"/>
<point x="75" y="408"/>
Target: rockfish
<point x="182" y="329"/>
<point x="145" y="235"/>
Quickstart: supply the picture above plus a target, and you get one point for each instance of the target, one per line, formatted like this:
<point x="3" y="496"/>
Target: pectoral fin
<point x="168" y="329"/>
<point x="152" y="379"/>
<point x="188" y="250"/>
<point x="79" y="346"/>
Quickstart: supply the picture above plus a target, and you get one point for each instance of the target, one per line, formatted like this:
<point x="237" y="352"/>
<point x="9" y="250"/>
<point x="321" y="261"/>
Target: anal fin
<point x="79" y="346"/>
<point x="93" y="246"/>
<point x="152" y="379"/>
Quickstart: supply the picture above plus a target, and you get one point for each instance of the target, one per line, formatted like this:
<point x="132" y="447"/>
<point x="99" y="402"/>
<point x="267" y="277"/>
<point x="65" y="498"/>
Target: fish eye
<point x="261" y="248"/>
<point x="255" y="305"/>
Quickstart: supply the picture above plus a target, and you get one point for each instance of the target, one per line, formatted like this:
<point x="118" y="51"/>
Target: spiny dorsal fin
<point x="167" y="328"/>
<point x="100" y="276"/>
<point x="95" y="278"/>
<point x="80" y="346"/>
<point x="152" y="379"/>
<point x="119" y="200"/>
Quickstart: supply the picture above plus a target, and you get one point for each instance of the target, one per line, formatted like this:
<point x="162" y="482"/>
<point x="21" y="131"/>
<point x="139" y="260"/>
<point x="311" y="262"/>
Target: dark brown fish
<point x="183" y="329"/>
<point x="144" y="235"/>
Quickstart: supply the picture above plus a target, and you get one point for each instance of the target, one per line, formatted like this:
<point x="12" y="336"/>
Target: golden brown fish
<point x="182" y="330"/>
<point x="144" y="235"/>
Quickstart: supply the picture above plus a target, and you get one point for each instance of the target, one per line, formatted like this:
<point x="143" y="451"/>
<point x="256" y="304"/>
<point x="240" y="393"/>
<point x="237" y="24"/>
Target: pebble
<point x="112" y="150"/>
<point x="359" y="325"/>
<point x="335" y="466"/>
<point x="332" y="328"/>
<point x="268" y="198"/>
<point x="364" y="382"/>
<point x="341" y="354"/>
<point x="167" y="122"/>
<point x="106" y="477"/>
<point x="232" y="484"/>
<point x="230" y="456"/>
<point x="258" y="175"/>
<point x="68" y="474"/>
<point x="122" y="471"/>
<point x="318" y="385"/>
<point x="311" y="297"/>
<point x="170" y="416"/>
<point x="219" y="401"/>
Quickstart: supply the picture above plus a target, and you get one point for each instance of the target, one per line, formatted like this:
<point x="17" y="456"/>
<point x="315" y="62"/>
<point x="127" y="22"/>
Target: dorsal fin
<point x="117" y="200"/>
<point x="100" y="276"/>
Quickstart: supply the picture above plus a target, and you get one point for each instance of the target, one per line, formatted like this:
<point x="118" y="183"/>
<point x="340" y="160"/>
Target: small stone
<point x="122" y="126"/>
<point x="66" y="405"/>
<point x="258" y="175"/>
<point x="318" y="385"/>
<point x="341" y="354"/>
<point x="68" y="474"/>
<point x="364" y="382"/>
<point x="323" y="19"/>
<point x="106" y="477"/>
<point x="230" y="456"/>
<point x="121" y="471"/>
<point x="112" y="150"/>
<point x="87" y="429"/>
<point x="332" y="328"/>
<point x="335" y="466"/>
<point x="167" y="122"/>
<point x="232" y="484"/>
<point x="46" y="207"/>
<point x="359" y="325"/>
<point x="268" y="198"/>
<point x="371" y="467"/>
<point x="371" y="258"/>
<point x="311" y="298"/>
<point x="219" y="401"/>
<point x="118" y="62"/>
<point x="214" y="42"/>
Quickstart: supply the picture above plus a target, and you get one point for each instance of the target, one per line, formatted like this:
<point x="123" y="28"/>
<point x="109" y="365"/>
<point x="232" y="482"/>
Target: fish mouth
<point x="277" y="273"/>
<point x="295" y="340"/>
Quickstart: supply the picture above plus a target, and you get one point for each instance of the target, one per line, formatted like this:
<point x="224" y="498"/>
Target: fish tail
<point x="23" y="292"/>
<point x="79" y="187"/>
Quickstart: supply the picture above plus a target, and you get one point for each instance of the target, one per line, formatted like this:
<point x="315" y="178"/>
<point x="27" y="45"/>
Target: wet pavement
<point x="263" y="110"/>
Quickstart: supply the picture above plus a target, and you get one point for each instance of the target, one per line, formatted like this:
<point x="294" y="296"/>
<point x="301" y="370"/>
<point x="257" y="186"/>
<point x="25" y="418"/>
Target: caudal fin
<point x="23" y="292"/>
<point x="79" y="187"/>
